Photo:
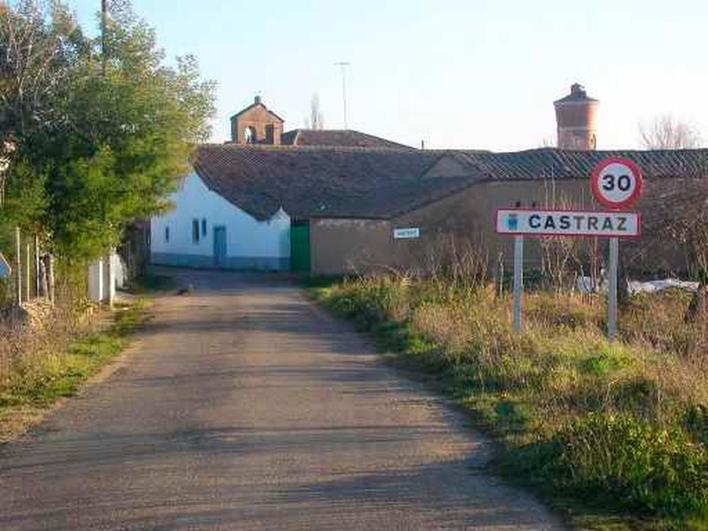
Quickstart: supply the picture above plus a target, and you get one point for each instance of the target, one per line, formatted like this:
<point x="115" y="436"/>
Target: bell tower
<point x="256" y="124"/>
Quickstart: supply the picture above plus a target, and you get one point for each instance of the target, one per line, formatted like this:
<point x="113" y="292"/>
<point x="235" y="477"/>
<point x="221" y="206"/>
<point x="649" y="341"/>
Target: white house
<point x="248" y="202"/>
<point x="206" y="230"/>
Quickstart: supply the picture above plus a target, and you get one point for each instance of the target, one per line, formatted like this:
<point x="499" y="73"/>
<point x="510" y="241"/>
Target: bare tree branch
<point x="666" y="132"/>
<point x="316" y="118"/>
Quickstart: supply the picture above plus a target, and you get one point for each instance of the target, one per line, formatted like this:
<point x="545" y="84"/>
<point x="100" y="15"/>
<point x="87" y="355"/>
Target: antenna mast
<point x="343" y="67"/>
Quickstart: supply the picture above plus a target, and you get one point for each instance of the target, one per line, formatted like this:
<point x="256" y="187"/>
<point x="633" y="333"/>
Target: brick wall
<point x="261" y="120"/>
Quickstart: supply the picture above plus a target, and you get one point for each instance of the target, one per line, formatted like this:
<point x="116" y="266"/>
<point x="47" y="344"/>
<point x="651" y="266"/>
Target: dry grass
<point x="38" y="328"/>
<point x="48" y="359"/>
<point x="560" y="382"/>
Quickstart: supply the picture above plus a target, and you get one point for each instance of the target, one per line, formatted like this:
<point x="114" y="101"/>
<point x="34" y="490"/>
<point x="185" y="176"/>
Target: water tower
<point x="576" y="118"/>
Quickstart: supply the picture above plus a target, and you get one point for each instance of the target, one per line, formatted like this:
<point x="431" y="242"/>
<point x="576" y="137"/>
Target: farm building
<point x="332" y="202"/>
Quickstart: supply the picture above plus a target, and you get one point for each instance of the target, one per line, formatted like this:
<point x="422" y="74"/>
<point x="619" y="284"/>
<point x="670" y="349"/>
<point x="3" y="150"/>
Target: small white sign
<point x="5" y="269"/>
<point x="406" y="234"/>
<point x="568" y="223"/>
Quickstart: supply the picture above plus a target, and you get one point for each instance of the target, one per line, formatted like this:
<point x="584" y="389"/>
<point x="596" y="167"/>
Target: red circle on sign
<point x="595" y="183"/>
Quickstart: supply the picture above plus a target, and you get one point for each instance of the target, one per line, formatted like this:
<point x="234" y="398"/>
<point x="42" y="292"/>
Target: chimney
<point x="576" y="120"/>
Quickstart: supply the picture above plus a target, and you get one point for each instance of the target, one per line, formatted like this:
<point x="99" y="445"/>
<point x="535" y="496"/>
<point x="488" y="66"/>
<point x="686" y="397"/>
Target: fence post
<point x="28" y="272"/>
<point x="50" y="278"/>
<point x="500" y="275"/>
<point x="44" y="276"/>
<point x="37" y="271"/>
<point x="18" y="267"/>
<point x="109" y="280"/>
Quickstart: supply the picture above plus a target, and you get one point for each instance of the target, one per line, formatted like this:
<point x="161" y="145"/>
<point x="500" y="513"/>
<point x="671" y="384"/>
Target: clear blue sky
<point x="457" y="73"/>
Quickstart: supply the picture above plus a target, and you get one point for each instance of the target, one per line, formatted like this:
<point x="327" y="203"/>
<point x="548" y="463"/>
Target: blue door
<point x="220" y="246"/>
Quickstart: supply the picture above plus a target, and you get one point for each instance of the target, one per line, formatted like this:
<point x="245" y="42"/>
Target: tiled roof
<point x="317" y="181"/>
<point x="337" y="137"/>
<point x="321" y="181"/>
<point x="253" y="105"/>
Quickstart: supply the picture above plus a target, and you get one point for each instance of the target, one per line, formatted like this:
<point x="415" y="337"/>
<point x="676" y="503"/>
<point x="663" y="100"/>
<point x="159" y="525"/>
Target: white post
<point x="612" y="290"/>
<point x="518" y="280"/>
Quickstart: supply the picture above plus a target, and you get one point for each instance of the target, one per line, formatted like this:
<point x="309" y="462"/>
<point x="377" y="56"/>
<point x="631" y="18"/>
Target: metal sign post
<point x="616" y="184"/>
<point x="518" y="280"/>
<point x="612" y="290"/>
<point x="566" y="223"/>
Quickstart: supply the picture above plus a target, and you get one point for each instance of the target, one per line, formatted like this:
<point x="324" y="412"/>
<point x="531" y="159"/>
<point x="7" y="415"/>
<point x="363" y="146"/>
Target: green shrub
<point x="626" y="462"/>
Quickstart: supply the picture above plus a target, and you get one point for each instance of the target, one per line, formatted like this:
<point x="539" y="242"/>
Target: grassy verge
<point x="36" y="380"/>
<point x="612" y="434"/>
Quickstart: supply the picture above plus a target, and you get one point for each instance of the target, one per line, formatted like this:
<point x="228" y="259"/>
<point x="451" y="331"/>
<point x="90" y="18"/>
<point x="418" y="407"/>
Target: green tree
<point x="105" y="145"/>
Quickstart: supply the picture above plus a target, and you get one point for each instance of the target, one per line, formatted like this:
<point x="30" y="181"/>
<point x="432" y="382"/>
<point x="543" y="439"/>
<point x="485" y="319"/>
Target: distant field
<point x="615" y="435"/>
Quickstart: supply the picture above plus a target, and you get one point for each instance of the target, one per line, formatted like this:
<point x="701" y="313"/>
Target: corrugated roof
<point x="319" y="181"/>
<point x="567" y="164"/>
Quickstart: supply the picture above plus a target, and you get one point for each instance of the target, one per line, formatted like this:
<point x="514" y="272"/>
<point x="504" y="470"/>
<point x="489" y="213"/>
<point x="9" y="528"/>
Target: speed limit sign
<point x="616" y="183"/>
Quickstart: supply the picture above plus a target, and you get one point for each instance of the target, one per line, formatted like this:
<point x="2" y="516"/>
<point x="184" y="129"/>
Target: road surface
<point x="244" y="406"/>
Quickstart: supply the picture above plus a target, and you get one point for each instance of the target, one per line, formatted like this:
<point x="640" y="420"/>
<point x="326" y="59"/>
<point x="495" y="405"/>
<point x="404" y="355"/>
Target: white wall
<point x="246" y="237"/>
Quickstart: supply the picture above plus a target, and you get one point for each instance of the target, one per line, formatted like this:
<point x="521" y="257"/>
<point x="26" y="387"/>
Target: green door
<point x="300" y="247"/>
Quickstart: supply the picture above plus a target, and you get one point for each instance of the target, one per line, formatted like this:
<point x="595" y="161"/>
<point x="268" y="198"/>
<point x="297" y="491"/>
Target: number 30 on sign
<point x="616" y="183"/>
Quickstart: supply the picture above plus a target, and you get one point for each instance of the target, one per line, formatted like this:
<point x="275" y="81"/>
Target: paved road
<point x="243" y="406"/>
